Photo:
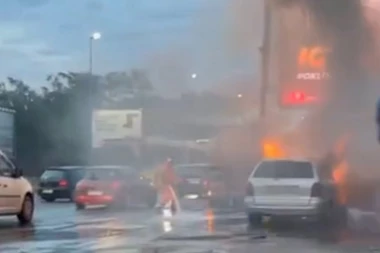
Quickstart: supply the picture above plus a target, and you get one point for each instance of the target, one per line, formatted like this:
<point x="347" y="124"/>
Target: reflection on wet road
<point x="60" y="228"/>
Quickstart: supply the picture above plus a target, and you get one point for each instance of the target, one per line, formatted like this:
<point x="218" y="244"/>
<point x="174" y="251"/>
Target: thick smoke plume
<point x="345" y="28"/>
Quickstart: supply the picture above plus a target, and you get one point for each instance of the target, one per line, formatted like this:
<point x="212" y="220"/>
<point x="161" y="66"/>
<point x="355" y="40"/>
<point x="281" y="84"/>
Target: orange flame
<point x="340" y="172"/>
<point x="340" y="177"/>
<point x="272" y="149"/>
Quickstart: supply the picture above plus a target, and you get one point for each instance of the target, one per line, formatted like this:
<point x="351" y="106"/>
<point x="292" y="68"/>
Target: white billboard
<point x="110" y="125"/>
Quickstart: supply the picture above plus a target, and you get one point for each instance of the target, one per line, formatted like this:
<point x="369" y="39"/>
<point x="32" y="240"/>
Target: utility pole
<point x="90" y="56"/>
<point x="265" y="54"/>
<point x="94" y="36"/>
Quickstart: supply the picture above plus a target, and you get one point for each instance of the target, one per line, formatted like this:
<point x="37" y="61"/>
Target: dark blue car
<point x="59" y="182"/>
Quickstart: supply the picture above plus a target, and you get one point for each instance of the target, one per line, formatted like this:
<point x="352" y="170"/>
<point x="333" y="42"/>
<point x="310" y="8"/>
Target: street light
<point x="94" y="36"/>
<point x="239" y="95"/>
<point x="194" y="75"/>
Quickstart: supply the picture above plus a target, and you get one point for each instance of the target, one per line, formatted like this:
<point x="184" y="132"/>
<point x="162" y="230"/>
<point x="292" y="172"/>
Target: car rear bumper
<point x="282" y="211"/>
<point x="94" y="200"/>
<point x="201" y="193"/>
<point x="313" y="208"/>
<point x="46" y="193"/>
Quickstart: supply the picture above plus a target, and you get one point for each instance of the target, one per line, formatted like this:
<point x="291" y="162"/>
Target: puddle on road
<point x="73" y="240"/>
<point x="195" y="228"/>
<point x="86" y="230"/>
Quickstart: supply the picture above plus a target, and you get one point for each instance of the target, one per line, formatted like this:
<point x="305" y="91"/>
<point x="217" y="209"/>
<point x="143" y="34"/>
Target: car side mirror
<point x="18" y="173"/>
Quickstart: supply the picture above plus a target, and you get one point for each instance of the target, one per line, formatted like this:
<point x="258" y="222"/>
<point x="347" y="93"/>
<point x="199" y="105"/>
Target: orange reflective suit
<point x="164" y="180"/>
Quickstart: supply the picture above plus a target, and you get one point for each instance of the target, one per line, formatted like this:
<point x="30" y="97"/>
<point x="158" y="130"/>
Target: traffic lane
<point x="59" y="226"/>
<point x="215" y="229"/>
<point x="44" y="214"/>
<point x="228" y="233"/>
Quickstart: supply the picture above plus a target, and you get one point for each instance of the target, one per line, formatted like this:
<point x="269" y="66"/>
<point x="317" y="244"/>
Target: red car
<point x="117" y="186"/>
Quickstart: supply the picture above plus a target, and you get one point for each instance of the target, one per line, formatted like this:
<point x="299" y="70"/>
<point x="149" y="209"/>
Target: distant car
<point x="59" y="182"/>
<point x="116" y="186"/>
<point x="16" y="194"/>
<point x="200" y="181"/>
<point x="292" y="189"/>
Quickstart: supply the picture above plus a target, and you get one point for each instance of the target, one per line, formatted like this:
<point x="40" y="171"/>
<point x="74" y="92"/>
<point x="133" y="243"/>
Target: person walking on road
<point x="165" y="181"/>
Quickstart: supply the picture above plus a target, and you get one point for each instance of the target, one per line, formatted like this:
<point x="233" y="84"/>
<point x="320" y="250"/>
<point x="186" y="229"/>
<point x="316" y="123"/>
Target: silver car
<point x="291" y="189"/>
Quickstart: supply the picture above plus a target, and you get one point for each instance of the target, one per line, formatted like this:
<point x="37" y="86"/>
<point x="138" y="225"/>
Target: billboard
<point x="110" y="125"/>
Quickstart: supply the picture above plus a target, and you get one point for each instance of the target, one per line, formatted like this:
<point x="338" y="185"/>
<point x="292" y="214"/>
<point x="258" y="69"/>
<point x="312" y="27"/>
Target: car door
<point x="3" y="180"/>
<point x="10" y="193"/>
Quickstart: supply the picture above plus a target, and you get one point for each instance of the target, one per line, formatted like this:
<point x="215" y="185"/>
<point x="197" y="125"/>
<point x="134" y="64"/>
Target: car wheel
<point x="325" y="218"/>
<point x="26" y="214"/>
<point x="334" y="216"/>
<point x="80" y="206"/>
<point x="254" y="220"/>
<point x="340" y="216"/>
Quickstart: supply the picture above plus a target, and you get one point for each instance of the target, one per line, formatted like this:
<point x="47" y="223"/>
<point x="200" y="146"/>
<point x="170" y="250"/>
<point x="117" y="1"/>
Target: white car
<point x="16" y="193"/>
<point x="292" y="189"/>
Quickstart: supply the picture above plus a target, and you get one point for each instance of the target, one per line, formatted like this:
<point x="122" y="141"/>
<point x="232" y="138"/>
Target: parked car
<point x="292" y="189"/>
<point x="117" y="186"/>
<point x="200" y="181"/>
<point x="59" y="182"/>
<point x="16" y="196"/>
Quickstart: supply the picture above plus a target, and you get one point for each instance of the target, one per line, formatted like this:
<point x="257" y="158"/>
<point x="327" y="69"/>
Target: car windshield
<point x="284" y="169"/>
<point x="53" y="174"/>
<point x="198" y="171"/>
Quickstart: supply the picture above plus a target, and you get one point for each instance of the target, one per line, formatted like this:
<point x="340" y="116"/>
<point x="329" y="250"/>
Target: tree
<point x="54" y="126"/>
<point x="122" y="87"/>
<point x="140" y="82"/>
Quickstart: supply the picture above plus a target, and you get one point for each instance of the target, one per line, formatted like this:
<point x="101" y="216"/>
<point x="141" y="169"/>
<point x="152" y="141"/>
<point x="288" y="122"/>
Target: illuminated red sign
<point x="313" y="58"/>
<point x="304" y="82"/>
<point x="311" y="64"/>
<point x="298" y="98"/>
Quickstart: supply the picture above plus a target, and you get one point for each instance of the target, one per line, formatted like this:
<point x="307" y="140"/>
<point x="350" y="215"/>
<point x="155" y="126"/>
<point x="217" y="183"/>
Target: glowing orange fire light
<point x="272" y="149"/>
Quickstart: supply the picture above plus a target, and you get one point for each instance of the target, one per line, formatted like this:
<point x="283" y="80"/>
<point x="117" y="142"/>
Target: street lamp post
<point x="265" y="48"/>
<point x="90" y="102"/>
<point x="94" y="36"/>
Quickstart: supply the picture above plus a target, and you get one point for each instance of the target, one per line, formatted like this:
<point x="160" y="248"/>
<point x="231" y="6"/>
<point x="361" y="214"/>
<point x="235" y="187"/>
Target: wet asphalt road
<point x="58" y="227"/>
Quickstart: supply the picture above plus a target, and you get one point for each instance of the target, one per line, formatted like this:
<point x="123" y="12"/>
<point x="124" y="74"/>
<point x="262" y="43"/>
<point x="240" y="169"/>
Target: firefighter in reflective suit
<point x="165" y="181"/>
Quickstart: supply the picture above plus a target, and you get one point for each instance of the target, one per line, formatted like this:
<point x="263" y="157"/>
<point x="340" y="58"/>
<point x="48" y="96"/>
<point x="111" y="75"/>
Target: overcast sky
<point x="170" y="38"/>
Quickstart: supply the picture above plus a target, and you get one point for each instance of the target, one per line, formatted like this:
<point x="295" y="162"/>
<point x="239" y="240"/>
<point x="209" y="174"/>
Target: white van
<point x="16" y="193"/>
